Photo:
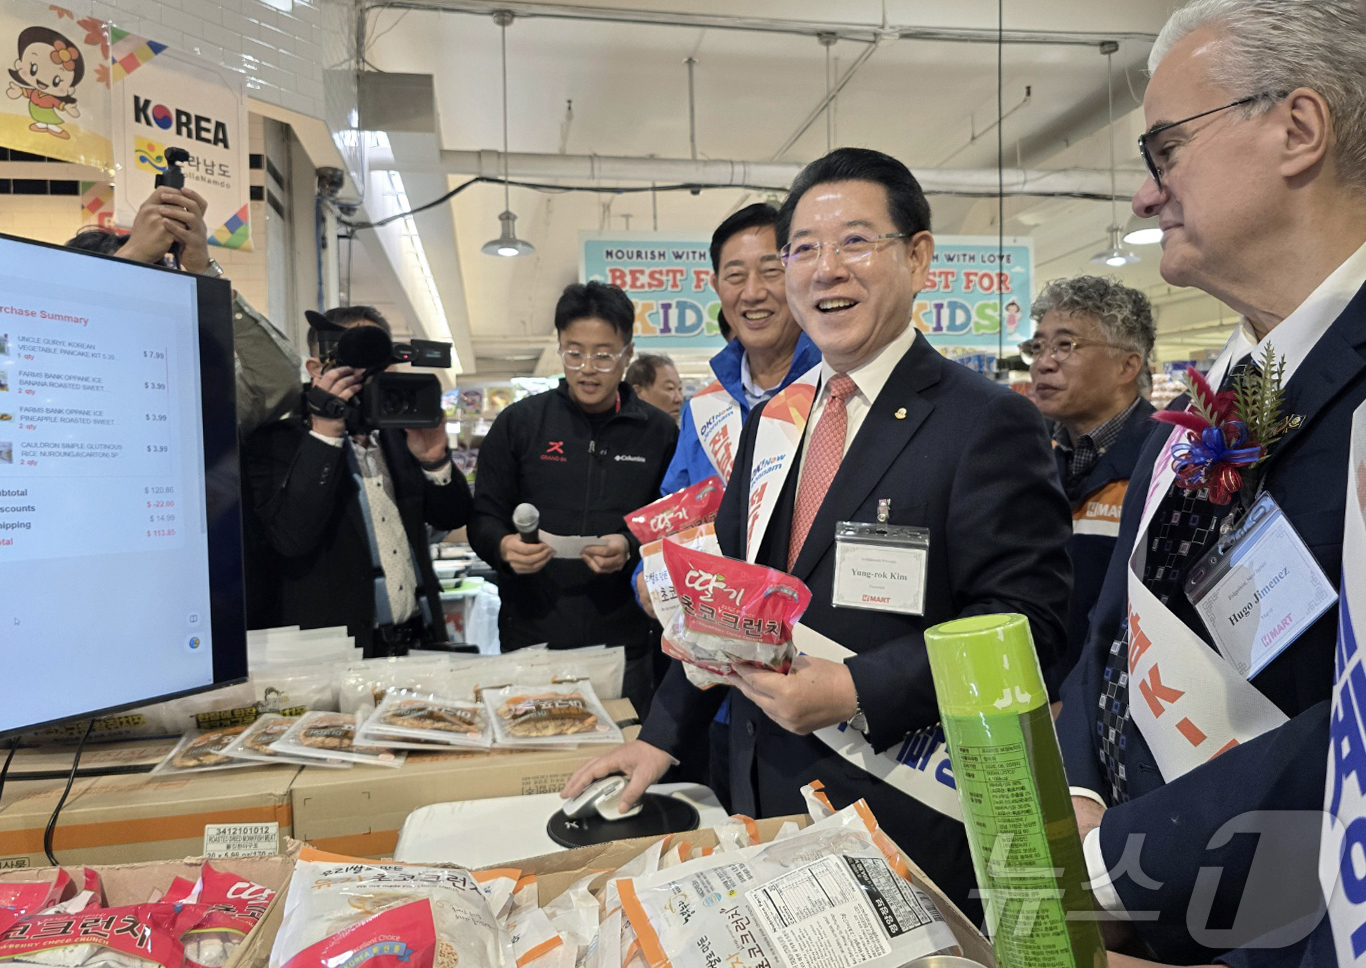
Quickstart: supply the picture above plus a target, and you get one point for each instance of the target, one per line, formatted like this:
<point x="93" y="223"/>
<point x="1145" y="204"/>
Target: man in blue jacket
<point x="1089" y="362"/>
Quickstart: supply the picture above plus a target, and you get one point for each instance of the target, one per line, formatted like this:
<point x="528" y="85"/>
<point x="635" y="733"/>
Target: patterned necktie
<point x="1181" y="528"/>
<point x="823" y="456"/>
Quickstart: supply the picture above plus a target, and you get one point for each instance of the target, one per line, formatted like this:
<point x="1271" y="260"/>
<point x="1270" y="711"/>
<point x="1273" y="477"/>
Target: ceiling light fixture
<point x="507" y="244"/>
<point x="1116" y="255"/>
<point x="1142" y="231"/>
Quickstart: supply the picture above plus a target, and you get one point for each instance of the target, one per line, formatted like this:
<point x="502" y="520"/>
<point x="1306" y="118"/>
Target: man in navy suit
<point x="920" y="439"/>
<point x="1257" y="158"/>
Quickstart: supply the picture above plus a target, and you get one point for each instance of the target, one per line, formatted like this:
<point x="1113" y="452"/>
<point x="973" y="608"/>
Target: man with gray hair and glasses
<point x="1089" y="362"/>
<point x="1200" y="710"/>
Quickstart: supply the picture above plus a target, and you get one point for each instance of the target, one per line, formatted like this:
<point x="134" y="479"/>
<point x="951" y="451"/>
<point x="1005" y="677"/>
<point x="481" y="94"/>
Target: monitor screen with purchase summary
<point x="120" y="514"/>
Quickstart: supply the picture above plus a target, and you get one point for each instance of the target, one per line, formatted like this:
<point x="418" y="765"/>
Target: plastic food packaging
<point x="730" y="612"/>
<point x="347" y="911"/>
<point x="657" y="581"/>
<point x="555" y="714"/>
<point x="440" y="722"/>
<point x="678" y="511"/>
<point x="1013" y="791"/>
<point x="834" y="895"/>
<point x="199" y="752"/>
<point x="330" y="736"/>
<point x="254" y="744"/>
<point x="363" y="684"/>
<point x="138" y="936"/>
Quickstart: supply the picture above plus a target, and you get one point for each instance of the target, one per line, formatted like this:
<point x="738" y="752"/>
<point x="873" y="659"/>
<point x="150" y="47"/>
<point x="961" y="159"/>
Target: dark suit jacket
<point x="1090" y="553"/>
<point x="1306" y="472"/>
<point x="308" y="522"/>
<point x="969" y="461"/>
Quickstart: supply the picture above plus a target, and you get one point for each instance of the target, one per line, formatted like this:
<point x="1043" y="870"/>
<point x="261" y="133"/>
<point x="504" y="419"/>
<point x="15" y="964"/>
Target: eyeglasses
<point x="602" y="362"/>
<point x="852" y="248"/>
<point x="1146" y="138"/>
<point x="1033" y="350"/>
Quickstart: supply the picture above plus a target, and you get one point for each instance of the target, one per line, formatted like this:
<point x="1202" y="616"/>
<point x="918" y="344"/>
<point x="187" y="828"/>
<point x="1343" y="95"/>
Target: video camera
<point x="386" y="400"/>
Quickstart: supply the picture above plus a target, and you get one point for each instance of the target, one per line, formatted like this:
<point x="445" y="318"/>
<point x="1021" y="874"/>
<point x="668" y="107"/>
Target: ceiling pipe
<point x="867" y="33"/>
<point x="525" y="166"/>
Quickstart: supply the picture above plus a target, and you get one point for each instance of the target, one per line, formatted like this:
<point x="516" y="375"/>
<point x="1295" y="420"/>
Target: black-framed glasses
<point x="602" y="362"/>
<point x="1146" y="137"/>
<point x="852" y="248"/>
<point x="1033" y="350"/>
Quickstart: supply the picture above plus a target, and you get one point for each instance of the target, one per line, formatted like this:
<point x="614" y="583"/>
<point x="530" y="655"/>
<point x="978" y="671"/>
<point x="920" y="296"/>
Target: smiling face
<point x="593" y="390"/>
<point x="851" y="310"/>
<point x="1220" y="186"/>
<point x="750" y="286"/>
<point x="42" y="66"/>
<point x="666" y="392"/>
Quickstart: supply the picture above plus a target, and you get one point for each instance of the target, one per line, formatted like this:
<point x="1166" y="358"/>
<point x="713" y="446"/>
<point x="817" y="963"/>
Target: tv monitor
<point x="120" y="509"/>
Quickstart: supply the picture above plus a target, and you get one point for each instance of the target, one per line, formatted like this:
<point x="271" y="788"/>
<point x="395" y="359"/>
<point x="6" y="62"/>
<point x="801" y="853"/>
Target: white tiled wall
<point x="283" y="53"/>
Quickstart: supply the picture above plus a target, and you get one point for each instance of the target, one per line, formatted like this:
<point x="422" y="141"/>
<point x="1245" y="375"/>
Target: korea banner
<point x="165" y="99"/>
<point x="56" y="101"/>
<point x="1342" y="855"/>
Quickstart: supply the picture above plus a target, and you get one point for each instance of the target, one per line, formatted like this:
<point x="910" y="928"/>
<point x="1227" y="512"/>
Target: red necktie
<point x="823" y="457"/>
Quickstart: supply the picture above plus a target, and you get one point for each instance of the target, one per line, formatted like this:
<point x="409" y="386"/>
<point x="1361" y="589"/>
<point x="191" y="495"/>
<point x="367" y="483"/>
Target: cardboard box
<point x="359" y="812"/>
<point x="556" y="872"/>
<point x="134" y="883"/>
<point x="128" y="819"/>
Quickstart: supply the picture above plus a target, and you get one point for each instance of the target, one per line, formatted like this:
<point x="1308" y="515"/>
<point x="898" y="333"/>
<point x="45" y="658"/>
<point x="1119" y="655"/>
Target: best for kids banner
<point x="165" y="99"/>
<point x="667" y="276"/>
<point x="971" y="281"/>
<point x="56" y="101"/>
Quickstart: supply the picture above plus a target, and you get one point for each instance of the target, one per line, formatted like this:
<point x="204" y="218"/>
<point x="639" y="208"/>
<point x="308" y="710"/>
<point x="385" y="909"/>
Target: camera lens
<point x="397" y="403"/>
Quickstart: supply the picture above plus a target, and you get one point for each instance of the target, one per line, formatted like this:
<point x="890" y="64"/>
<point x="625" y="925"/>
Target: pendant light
<point x="1115" y="255"/>
<point x="507" y="244"/>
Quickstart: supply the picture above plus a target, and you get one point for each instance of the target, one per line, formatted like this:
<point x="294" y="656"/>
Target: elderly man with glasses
<point x="1196" y="727"/>
<point x="585" y="454"/>
<point x="1089" y="362"/>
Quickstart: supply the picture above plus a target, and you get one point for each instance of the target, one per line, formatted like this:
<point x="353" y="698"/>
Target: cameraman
<point x="345" y="512"/>
<point x="267" y="365"/>
<point x="585" y="454"/>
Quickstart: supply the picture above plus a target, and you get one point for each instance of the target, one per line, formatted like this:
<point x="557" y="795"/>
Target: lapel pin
<point x="900" y="414"/>
<point x="1295" y="420"/>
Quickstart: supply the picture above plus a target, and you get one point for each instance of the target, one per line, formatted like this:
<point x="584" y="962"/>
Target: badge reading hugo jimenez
<point x="880" y="567"/>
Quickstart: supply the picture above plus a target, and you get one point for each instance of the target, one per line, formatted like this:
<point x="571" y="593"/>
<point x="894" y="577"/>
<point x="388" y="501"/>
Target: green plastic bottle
<point x="1018" y="812"/>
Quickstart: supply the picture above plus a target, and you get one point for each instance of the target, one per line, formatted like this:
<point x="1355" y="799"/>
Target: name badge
<point x="1258" y="588"/>
<point x="880" y="567"/>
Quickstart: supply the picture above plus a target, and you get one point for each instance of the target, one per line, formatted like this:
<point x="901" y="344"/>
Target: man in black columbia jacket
<point x="584" y="454"/>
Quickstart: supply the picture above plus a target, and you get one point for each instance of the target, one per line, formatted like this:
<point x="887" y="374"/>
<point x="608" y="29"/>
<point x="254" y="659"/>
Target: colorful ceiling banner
<point x="57" y="102"/>
<point x="166" y="99"/>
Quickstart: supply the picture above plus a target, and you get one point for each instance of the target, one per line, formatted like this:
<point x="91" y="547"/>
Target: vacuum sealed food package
<point x="198" y="752"/>
<point x="429" y="718"/>
<point x="834" y="895"/>
<point x="557" y="713"/>
<point x="365" y="682"/>
<point x="255" y="743"/>
<point x="730" y="612"/>
<point x="683" y="509"/>
<point x="604" y="667"/>
<point x="327" y="736"/>
<point x="294" y="690"/>
<point x="342" y="910"/>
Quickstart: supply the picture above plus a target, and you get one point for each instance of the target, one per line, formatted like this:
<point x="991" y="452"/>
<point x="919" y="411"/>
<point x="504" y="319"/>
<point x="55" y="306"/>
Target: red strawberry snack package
<point x="678" y="511"/>
<point x="731" y="613"/>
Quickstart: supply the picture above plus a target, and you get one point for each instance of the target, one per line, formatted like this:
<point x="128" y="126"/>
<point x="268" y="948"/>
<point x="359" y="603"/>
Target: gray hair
<point x="1125" y="315"/>
<point x="1276" y="46"/>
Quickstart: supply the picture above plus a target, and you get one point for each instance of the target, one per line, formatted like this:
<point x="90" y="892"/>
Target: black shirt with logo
<point x="584" y="473"/>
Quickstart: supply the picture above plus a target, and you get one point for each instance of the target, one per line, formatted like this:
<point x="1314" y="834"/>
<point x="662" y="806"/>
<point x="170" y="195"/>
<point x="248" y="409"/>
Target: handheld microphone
<point x="527" y="520"/>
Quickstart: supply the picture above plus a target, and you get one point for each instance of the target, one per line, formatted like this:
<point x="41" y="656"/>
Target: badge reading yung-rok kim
<point x="880" y="567"/>
<point x="1258" y="588"/>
